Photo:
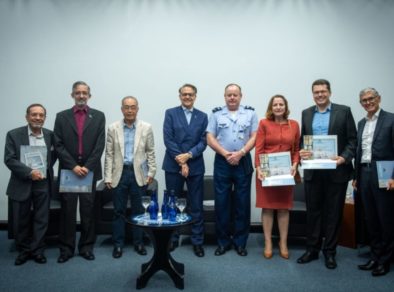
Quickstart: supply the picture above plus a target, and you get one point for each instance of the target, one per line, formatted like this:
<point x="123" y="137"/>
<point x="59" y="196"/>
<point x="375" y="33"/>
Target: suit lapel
<point x="182" y="118"/>
<point x="137" y="136"/>
<point x="309" y="120"/>
<point x="333" y="117"/>
<point x="379" y="124"/>
<point x="25" y="137"/>
<point x="88" y="120"/>
<point x="120" y="134"/>
<point x="70" y="117"/>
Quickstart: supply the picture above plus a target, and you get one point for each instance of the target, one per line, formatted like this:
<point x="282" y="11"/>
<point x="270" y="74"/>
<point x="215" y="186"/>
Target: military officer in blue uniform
<point x="231" y="133"/>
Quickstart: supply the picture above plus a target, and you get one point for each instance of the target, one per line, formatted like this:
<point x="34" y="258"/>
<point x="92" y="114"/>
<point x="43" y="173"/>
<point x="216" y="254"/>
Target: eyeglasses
<point x="188" y="94"/>
<point x="37" y="115"/>
<point x="367" y="100"/>
<point x="130" y="107"/>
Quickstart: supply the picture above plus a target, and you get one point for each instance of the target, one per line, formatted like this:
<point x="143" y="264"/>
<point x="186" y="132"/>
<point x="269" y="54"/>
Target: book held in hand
<point x="71" y="183"/>
<point x="35" y="157"/>
<point x="385" y="170"/>
<point x="277" y="169"/>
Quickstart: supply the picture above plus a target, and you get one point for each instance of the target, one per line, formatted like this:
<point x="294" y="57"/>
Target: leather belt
<point x="128" y="167"/>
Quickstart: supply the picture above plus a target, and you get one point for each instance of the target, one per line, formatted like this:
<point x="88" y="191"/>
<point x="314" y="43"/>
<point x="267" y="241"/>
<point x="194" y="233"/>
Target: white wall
<point x="150" y="48"/>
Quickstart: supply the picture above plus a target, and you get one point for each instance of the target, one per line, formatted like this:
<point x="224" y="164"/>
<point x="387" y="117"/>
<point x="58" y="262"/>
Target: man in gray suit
<point x="29" y="185"/>
<point x="79" y="142"/>
<point x="325" y="190"/>
<point x="376" y="143"/>
<point x="129" y="166"/>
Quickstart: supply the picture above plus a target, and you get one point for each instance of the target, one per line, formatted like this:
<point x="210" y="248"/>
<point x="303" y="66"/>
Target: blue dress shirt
<point x="128" y="133"/>
<point x="321" y="121"/>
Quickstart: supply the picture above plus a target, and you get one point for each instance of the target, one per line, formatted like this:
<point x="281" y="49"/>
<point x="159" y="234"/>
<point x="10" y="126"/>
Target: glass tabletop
<point x="144" y="220"/>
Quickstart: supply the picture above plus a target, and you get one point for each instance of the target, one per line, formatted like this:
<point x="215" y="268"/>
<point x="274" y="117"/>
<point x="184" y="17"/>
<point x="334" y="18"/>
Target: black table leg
<point x="161" y="260"/>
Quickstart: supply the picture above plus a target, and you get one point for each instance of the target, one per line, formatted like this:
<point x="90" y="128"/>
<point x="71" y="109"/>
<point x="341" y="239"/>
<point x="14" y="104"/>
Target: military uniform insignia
<point x="216" y="109"/>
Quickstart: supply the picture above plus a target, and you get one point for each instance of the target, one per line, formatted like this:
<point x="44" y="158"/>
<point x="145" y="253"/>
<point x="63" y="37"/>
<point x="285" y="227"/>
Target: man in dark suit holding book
<point x="30" y="183"/>
<point x="79" y="142"/>
<point x="325" y="189"/>
<point x="376" y="143"/>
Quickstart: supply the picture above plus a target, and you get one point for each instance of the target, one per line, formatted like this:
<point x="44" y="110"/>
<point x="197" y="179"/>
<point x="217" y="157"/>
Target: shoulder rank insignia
<point x="247" y="107"/>
<point x="216" y="109"/>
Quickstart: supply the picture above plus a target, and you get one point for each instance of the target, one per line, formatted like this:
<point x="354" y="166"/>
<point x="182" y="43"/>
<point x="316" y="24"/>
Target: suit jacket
<point x="19" y="185"/>
<point x="66" y="140"/>
<point x="382" y="143"/>
<point x="341" y="124"/>
<point x="181" y="137"/>
<point x="144" y="160"/>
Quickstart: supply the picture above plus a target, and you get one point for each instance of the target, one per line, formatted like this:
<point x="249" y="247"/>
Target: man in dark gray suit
<point x="79" y="142"/>
<point x="376" y="143"/>
<point x="30" y="184"/>
<point x="325" y="190"/>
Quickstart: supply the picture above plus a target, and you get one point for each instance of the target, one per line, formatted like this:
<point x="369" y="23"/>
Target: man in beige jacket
<point x="129" y="166"/>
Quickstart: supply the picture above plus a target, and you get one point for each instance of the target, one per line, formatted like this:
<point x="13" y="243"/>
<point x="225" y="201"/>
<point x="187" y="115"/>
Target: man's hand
<point x="108" y="185"/>
<point x="149" y="180"/>
<point x="354" y="184"/>
<point x="182" y="158"/>
<point x="305" y="154"/>
<point x="340" y="160"/>
<point x="80" y="170"/>
<point x="36" y="175"/>
<point x="233" y="158"/>
<point x="185" y="170"/>
<point x="390" y="185"/>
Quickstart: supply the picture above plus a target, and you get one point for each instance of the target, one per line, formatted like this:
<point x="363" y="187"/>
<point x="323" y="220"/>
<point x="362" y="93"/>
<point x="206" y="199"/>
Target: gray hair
<point x="77" y="83"/>
<point x="372" y="90"/>
<point x="129" y="97"/>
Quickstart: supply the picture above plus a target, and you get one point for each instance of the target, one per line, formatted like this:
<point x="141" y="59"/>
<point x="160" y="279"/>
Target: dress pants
<point x="325" y="201"/>
<point x="195" y="196"/>
<point x="30" y="224"/>
<point x="68" y="222"/>
<point x="226" y="177"/>
<point x="127" y="188"/>
<point x="379" y="207"/>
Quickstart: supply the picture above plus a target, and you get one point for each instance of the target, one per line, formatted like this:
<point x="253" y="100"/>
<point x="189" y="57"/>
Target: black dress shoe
<point x="307" y="257"/>
<point x="173" y="245"/>
<point x="87" y="255"/>
<point x="140" y="249"/>
<point x="221" y="250"/>
<point x="22" y="258"/>
<point x="63" y="258"/>
<point x="198" y="250"/>
<point x="330" y="262"/>
<point x="117" y="252"/>
<point x="381" y="270"/>
<point x="370" y="265"/>
<point x="40" y="259"/>
<point x="241" y="251"/>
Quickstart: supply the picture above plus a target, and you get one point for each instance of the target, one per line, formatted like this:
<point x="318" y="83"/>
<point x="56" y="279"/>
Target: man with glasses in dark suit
<point x="376" y="143"/>
<point x="29" y="186"/>
<point x="325" y="189"/>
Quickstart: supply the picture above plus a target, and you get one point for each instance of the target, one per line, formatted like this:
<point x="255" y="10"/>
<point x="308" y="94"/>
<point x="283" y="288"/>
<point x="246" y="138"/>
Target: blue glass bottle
<point x="154" y="206"/>
<point x="164" y="206"/>
<point x="172" y="207"/>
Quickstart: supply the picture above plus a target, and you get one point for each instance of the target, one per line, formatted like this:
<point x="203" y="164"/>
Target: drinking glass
<point x="181" y="205"/>
<point x="145" y="200"/>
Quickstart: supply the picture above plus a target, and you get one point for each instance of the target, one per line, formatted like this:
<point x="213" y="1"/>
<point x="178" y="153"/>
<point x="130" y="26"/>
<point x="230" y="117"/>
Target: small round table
<point x="160" y="232"/>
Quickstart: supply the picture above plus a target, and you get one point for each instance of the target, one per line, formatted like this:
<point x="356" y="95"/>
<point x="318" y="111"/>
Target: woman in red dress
<point x="276" y="133"/>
